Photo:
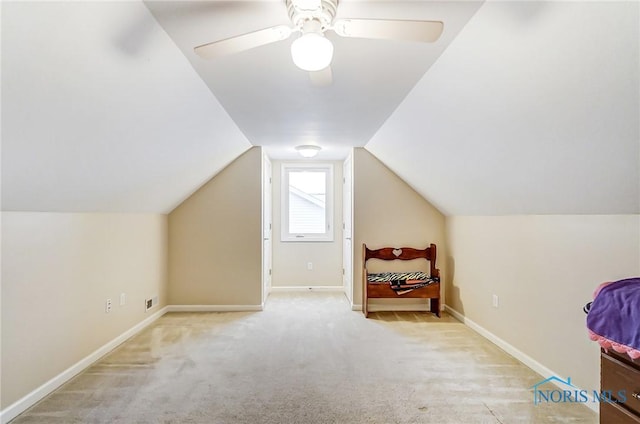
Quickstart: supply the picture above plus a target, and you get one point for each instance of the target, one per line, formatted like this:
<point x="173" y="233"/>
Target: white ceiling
<point x="520" y="108"/>
<point x="101" y="113"/>
<point x="273" y="101"/>
<point x="533" y="109"/>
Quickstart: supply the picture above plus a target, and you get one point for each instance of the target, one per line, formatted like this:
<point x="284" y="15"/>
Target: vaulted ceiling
<point x="519" y="108"/>
<point x="274" y="102"/>
<point x="534" y="109"/>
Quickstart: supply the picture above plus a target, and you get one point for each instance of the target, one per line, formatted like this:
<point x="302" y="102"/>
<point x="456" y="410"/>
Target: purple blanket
<point x="614" y="317"/>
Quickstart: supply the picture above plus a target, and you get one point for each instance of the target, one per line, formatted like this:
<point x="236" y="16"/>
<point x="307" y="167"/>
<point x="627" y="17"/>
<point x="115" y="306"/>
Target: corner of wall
<point x="59" y="270"/>
<point x="215" y="238"/>
<point x="542" y="269"/>
<point x="388" y="212"/>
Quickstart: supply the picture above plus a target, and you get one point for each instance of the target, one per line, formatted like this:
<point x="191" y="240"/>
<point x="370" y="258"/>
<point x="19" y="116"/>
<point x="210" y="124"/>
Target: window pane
<point x="307" y="196"/>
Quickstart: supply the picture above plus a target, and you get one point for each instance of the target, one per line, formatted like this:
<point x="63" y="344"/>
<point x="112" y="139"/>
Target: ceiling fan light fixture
<point x="308" y="150"/>
<point x="312" y="52"/>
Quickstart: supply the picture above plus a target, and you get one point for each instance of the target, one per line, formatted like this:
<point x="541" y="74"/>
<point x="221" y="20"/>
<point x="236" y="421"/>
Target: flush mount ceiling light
<point x="308" y="150"/>
<point x="312" y="51"/>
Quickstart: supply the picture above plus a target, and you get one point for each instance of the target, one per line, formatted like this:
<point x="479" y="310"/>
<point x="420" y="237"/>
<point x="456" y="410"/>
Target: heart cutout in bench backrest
<point x="397" y="252"/>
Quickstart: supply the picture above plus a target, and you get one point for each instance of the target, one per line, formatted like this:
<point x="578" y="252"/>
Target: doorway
<point x="347" y="228"/>
<point x="291" y="264"/>
<point x="267" y="227"/>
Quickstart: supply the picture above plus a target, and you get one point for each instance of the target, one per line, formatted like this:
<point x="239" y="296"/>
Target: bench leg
<point x="365" y="306"/>
<point x="434" y="306"/>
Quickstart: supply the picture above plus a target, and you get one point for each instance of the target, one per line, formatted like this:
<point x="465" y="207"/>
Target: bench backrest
<point x="403" y="254"/>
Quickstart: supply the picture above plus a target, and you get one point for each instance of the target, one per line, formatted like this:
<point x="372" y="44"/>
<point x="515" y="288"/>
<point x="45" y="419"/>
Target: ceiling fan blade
<point x="385" y="29"/>
<point x="322" y="78"/>
<point x="243" y="42"/>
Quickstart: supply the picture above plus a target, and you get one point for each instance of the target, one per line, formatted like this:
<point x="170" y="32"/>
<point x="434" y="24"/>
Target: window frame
<point x="285" y="235"/>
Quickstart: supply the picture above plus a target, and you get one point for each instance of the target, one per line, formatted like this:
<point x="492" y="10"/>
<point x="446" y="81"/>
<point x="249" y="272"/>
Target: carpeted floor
<point x="306" y="358"/>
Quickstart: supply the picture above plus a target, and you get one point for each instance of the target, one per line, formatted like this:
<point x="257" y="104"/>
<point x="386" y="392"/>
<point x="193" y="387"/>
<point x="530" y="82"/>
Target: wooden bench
<point x="380" y="290"/>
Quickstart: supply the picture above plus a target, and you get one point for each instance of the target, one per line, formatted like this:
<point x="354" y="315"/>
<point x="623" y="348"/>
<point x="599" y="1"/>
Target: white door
<point x="266" y="227"/>
<point x="347" y="226"/>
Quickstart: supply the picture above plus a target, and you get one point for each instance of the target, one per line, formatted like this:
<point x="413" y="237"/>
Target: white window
<point x="307" y="202"/>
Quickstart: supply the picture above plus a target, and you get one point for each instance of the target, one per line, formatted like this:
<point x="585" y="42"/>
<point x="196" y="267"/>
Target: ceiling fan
<point x="312" y="51"/>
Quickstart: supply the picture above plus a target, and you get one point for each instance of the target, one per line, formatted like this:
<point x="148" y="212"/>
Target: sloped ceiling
<point x="530" y="107"/>
<point x="533" y="109"/>
<point x="100" y="112"/>
<point x="273" y="101"/>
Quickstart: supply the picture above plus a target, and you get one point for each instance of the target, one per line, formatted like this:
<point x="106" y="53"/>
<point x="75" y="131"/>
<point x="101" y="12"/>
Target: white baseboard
<point x="308" y="288"/>
<point x="356" y="307"/>
<point x="214" y="308"/>
<point x="21" y="405"/>
<point x="513" y="351"/>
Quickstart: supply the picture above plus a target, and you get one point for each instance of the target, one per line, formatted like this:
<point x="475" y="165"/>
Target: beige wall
<point x="290" y="258"/>
<point x="387" y="212"/>
<point x="215" y="239"/>
<point x="543" y="269"/>
<point x="58" y="269"/>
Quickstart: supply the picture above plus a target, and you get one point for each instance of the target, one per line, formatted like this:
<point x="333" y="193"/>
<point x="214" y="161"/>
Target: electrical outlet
<point x="495" y="301"/>
<point x="309" y="266"/>
<point x="107" y="306"/>
<point x="123" y="299"/>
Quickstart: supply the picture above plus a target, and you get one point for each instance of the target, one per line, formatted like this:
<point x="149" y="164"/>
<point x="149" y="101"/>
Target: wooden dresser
<point x="620" y="374"/>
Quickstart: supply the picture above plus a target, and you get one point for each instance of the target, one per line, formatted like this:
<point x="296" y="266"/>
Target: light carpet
<point x="307" y="358"/>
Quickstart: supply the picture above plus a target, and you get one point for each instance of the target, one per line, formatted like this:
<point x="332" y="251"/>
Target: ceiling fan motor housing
<point x="324" y="12"/>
